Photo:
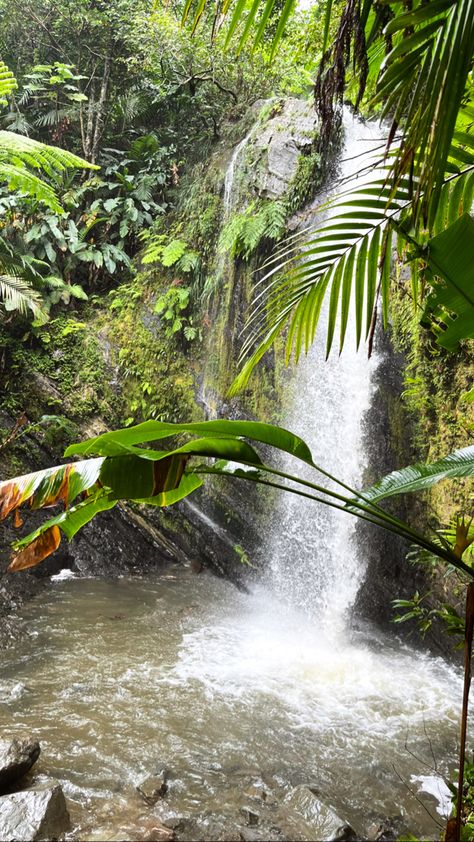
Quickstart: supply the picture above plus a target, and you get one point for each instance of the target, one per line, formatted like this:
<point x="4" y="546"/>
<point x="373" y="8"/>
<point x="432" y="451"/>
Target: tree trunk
<point x="100" y="112"/>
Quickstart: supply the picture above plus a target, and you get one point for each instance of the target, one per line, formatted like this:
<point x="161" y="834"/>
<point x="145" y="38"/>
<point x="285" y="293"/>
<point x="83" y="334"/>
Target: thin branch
<point x="416" y="797"/>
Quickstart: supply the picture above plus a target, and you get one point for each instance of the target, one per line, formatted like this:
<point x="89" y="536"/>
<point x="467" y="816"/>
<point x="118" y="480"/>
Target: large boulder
<point x="16" y="759"/>
<point x="303" y="816"/>
<point x="39" y="813"/>
<point x="276" y="149"/>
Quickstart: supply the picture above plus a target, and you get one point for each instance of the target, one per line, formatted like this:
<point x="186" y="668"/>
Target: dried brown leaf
<point x="39" y="549"/>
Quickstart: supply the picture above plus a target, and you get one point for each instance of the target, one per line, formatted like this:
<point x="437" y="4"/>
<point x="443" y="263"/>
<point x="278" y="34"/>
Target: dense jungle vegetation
<point x="118" y="306"/>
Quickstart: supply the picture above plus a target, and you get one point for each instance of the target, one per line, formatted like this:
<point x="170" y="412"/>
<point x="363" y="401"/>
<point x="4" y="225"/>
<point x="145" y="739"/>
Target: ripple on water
<point x="190" y="674"/>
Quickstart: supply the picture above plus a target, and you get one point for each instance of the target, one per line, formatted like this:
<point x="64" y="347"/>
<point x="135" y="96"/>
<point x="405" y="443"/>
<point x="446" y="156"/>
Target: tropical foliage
<point x="122" y="469"/>
<point x="417" y="67"/>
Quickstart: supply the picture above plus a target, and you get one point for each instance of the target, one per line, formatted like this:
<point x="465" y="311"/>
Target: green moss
<point x="154" y="371"/>
<point x="59" y="368"/>
<point x="435" y="382"/>
<point x="305" y="182"/>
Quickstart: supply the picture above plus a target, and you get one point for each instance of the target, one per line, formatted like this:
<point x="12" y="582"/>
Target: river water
<point x="227" y="691"/>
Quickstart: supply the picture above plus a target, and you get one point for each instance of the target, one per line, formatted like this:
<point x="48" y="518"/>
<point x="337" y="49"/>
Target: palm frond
<point x="17" y="294"/>
<point x="346" y="257"/>
<point x="248" y="21"/>
<point x="423" y="85"/>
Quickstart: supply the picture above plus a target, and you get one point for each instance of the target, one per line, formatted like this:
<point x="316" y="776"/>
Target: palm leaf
<point x="348" y="257"/>
<point x="420" y="476"/>
<point x="341" y="253"/>
<point x="17" y="294"/>
<point x="249" y="22"/>
<point x="423" y="84"/>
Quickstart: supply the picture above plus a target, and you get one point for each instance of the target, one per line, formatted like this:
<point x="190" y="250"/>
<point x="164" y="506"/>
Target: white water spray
<point x="313" y="563"/>
<point x="230" y="195"/>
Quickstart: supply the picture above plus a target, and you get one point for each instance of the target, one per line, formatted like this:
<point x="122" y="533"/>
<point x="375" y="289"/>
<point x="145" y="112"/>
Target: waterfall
<point x="206" y="396"/>
<point x="230" y="195"/>
<point x="230" y="198"/>
<point x="313" y="563"/>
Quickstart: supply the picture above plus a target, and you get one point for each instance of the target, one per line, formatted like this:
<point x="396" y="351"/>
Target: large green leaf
<point x="418" y="477"/>
<point x="103" y="481"/>
<point x="48" y="487"/>
<point x="121" y="441"/>
<point x="160" y="478"/>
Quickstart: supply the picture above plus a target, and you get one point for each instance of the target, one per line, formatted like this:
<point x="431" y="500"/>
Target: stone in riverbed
<point x="153" y="787"/>
<point x="11" y="691"/>
<point x="256" y="791"/>
<point x="16" y="759"/>
<point x="304" y="816"/>
<point x="251" y="818"/>
<point x="346" y="833"/>
<point x="39" y="813"/>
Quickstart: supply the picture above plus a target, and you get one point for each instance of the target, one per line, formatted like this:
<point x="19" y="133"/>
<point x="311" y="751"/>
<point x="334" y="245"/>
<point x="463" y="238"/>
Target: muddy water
<point x="229" y="692"/>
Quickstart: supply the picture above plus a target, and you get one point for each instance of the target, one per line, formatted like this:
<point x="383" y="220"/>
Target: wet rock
<point x="39" y="813"/>
<point x="11" y="691"/>
<point x="153" y="787"/>
<point x="304" y="816"/>
<point x="196" y="565"/>
<point x="249" y="835"/>
<point x="16" y="759"/>
<point x="388" y="829"/>
<point x="346" y="833"/>
<point x="256" y="791"/>
<point x="287" y="135"/>
<point x="251" y="818"/>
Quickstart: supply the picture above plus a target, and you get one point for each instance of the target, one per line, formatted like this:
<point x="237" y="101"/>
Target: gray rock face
<point x="303" y="816"/>
<point x="277" y="148"/>
<point x="39" y="813"/>
<point x="16" y="759"/>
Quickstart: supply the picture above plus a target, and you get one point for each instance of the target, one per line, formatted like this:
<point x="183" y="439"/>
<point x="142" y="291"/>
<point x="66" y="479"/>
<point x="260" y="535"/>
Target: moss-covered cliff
<point x="163" y="345"/>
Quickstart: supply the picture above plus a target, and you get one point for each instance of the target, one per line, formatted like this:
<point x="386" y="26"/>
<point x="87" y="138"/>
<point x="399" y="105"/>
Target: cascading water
<point x="229" y="192"/>
<point x="313" y="565"/>
<point x="206" y="396"/>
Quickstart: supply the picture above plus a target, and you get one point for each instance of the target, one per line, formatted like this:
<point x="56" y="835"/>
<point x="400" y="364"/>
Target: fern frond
<point x="241" y="236"/>
<point x="20" y="155"/>
<point x="31" y="153"/>
<point x="8" y="83"/>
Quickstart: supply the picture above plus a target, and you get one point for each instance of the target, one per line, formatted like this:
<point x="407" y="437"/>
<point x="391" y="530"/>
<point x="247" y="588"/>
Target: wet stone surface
<point x="38" y="813"/>
<point x="16" y="759"/>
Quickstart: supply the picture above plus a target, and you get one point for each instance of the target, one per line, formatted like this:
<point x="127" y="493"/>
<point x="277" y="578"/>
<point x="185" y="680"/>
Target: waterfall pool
<point x="228" y="691"/>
